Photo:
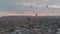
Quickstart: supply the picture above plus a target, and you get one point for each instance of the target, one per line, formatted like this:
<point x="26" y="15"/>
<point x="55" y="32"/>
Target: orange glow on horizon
<point x="14" y="14"/>
<point x="42" y="15"/>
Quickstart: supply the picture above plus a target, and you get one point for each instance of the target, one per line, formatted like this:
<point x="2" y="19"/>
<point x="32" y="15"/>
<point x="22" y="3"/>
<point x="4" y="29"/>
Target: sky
<point x="30" y="7"/>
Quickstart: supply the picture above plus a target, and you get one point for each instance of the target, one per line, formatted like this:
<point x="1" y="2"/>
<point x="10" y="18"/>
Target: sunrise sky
<point x="23" y="7"/>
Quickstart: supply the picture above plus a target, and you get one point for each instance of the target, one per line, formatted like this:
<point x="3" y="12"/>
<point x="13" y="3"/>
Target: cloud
<point x="33" y="4"/>
<point x="17" y="7"/>
<point x="53" y="6"/>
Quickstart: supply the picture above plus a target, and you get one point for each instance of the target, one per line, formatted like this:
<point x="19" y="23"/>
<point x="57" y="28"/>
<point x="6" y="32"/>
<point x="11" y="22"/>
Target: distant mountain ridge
<point x="30" y="17"/>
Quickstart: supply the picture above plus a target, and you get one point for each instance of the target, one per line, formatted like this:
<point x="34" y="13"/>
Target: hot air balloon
<point x="52" y="12"/>
<point x="47" y="6"/>
<point x="31" y="7"/>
